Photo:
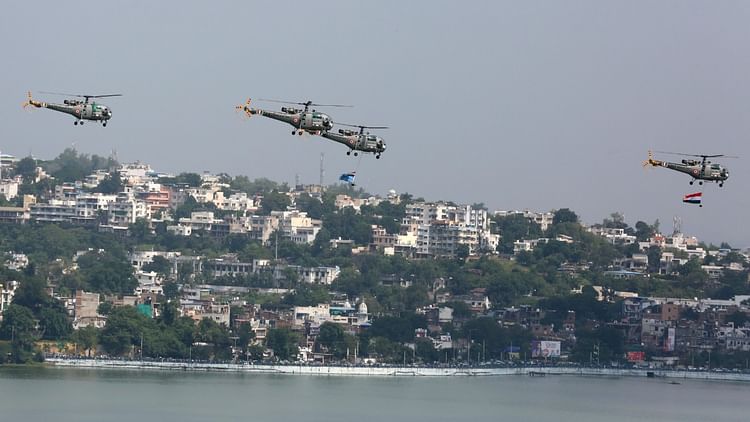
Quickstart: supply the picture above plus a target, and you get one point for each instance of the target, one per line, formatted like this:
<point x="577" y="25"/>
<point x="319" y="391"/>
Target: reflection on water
<point x="80" y="395"/>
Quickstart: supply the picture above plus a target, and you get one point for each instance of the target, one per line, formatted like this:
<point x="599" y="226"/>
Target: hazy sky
<point x="521" y="104"/>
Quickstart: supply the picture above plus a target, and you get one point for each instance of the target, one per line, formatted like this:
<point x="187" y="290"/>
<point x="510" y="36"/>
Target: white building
<point x="316" y="315"/>
<point x="198" y="220"/>
<point x="7" y="291"/>
<point x="135" y="173"/>
<point x="9" y="188"/>
<point x="92" y="180"/>
<point x="55" y="211"/>
<point x="614" y="236"/>
<point x="543" y="219"/>
<point x="239" y="202"/>
<point x="441" y="229"/>
<point x="262" y="226"/>
<point x="297" y="226"/>
<point x="90" y="206"/>
<point x="16" y="261"/>
<point x="140" y="258"/>
<point x="126" y="210"/>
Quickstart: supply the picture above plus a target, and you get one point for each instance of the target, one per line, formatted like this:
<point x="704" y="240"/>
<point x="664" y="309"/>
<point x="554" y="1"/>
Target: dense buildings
<point x="316" y="274"/>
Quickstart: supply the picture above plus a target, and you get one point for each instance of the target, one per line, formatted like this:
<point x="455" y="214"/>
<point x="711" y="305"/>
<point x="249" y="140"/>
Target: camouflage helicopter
<point x="358" y="141"/>
<point x="699" y="170"/>
<point x="81" y="110"/>
<point x="303" y="120"/>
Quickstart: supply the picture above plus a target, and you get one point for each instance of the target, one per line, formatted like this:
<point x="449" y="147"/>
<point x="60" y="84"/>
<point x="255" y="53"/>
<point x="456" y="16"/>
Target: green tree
<point x="515" y="227"/>
<point x="216" y="335"/>
<point x="140" y="230"/>
<point x="397" y="329"/>
<point x="70" y="166"/>
<point x="643" y="231"/>
<point x="283" y="342"/>
<point x="86" y="338"/>
<point x="107" y="272"/>
<point x="654" y="258"/>
<point x="274" y="201"/>
<point x="54" y="322"/>
<point x="564" y="215"/>
<point x="125" y="326"/>
<point x="330" y="334"/>
<point x="18" y="326"/>
<point x="159" y="265"/>
<point x="26" y="168"/>
<point x="111" y="184"/>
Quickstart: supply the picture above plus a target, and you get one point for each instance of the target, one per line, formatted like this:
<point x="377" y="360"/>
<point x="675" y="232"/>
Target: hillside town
<point x="120" y="260"/>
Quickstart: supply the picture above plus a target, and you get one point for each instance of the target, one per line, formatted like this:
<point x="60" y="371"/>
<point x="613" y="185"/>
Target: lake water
<point x="87" y="395"/>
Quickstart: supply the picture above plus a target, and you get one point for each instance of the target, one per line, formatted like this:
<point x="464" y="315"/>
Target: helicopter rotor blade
<point x="704" y="156"/>
<point x="362" y="126"/>
<point x="307" y="103"/>
<point x="327" y="105"/>
<point x="276" y="101"/>
<point x="80" y="95"/>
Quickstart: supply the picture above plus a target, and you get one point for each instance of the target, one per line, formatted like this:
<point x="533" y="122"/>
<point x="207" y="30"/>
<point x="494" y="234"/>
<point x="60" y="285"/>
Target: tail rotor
<point x="244" y="109"/>
<point x="30" y="102"/>
<point x="650" y="162"/>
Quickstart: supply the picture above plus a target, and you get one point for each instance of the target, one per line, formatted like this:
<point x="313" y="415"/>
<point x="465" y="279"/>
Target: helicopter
<point x="699" y="170"/>
<point x="303" y="120"/>
<point x="81" y="110"/>
<point x="358" y="141"/>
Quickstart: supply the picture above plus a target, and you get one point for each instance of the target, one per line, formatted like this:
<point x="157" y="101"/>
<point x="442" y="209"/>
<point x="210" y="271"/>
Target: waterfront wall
<point x="389" y="371"/>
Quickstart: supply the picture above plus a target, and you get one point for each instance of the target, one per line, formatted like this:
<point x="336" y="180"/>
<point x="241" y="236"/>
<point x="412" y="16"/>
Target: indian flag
<point x="693" y="198"/>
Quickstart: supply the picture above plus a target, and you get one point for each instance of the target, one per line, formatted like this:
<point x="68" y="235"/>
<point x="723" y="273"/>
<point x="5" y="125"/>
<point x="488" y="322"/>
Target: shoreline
<point x="393" y="371"/>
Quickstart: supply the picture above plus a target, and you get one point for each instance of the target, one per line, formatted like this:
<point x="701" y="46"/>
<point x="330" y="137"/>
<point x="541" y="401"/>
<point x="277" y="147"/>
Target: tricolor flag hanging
<point x="693" y="198"/>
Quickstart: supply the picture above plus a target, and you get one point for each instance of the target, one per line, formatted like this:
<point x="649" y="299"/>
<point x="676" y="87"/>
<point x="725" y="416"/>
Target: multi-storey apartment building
<point x="442" y="229"/>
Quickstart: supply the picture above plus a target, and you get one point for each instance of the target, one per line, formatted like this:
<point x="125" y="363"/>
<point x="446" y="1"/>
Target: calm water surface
<point x="86" y="395"/>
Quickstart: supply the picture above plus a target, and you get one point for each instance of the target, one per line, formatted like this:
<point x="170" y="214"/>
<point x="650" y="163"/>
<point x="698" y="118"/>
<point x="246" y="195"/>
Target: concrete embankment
<point x="388" y="371"/>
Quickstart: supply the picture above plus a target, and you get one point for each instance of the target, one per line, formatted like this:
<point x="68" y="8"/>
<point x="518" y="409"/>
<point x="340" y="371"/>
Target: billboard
<point x="670" y="340"/>
<point x="545" y="349"/>
<point x="636" y="356"/>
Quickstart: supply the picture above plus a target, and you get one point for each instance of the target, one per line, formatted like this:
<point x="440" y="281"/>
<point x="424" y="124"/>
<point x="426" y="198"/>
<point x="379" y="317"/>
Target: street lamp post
<point x="468" y="346"/>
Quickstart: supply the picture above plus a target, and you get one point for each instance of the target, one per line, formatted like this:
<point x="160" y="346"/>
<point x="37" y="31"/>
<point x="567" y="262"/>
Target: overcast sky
<point x="523" y="104"/>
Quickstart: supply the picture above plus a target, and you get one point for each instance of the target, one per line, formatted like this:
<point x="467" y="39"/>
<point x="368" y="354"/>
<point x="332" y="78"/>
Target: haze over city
<point x="516" y="105"/>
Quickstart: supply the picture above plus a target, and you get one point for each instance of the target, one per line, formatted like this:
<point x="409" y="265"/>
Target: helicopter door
<point x="307" y="120"/>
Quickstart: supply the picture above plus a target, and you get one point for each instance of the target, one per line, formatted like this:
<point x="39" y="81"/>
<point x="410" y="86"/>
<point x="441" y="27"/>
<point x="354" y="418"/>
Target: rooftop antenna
<point x="676" y="225"/>
<point x="322" y="171"/>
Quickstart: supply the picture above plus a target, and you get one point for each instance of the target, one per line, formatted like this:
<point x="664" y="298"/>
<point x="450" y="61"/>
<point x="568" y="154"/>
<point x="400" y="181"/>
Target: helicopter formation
<point x="303" y="120"/>
<point x="321" y="124"/>
<point x="306" y="120"/>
